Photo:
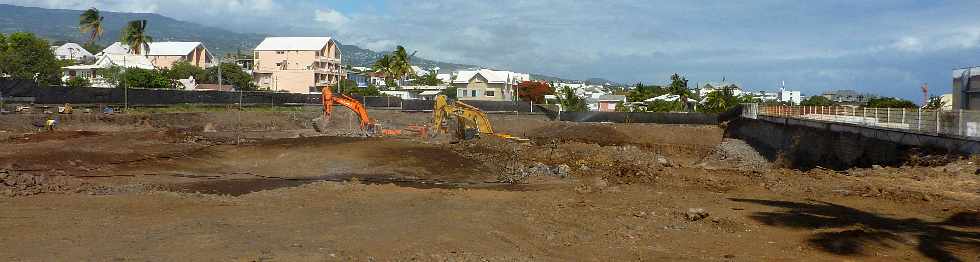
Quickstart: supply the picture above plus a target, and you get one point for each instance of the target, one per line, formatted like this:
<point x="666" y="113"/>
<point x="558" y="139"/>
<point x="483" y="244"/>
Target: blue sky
<point x="888" y="47"/>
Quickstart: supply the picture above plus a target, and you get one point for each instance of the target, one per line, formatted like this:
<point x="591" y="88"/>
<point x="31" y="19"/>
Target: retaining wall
<point x="807" y="144"/>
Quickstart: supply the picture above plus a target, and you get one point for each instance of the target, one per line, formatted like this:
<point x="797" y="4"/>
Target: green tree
<point x="394" y="66"/>
<point x="25" y="56"/>
<point x="935" y="103"/>
<point x="370" y="90"/>
<point x="429" y="79"/>
<point x="145" y="78"/>
<point x="90" y="23"/>
<point x="346" y="86"/>
<point x="723" y="100"/>
<point x="385" y="65"/>
<point x="134" y="35"/>
<point x="231" y="74"/>
<point x="678" y="86"/>
<point x="76" y="82"/>
<point x="112" y="75"/>
<point x="184" y="69"/>
<point x="571" y="102"/>
<point x="449" y="92"/>
<point x="665" y="106"/>
<point x="817" y="101"/>
<point x="402" y="63"/>
<point x="891" y="102"/>
<point x="642" y="92"/>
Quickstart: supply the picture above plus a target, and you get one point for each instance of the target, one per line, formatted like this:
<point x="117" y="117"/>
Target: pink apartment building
<point x="297" y="64"/>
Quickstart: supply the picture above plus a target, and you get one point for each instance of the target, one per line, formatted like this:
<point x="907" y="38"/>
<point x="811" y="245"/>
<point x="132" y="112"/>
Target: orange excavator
<point x="356" y="106"/>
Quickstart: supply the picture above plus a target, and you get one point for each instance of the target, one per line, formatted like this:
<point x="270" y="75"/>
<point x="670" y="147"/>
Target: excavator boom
<point x="467" y="117"/>
<point x="356" y="106"/>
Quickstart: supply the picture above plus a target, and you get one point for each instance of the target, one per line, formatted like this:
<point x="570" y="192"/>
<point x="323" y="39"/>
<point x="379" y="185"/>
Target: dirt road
<point x="127" y="191"/>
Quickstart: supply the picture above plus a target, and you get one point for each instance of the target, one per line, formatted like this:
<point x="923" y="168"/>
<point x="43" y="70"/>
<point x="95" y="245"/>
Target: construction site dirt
<point x="264" y="186"/>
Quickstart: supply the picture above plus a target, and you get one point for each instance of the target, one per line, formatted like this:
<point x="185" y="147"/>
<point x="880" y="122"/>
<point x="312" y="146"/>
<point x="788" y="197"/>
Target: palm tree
<point x="90" y="22"/>
<point x="385" y="66"/>
<point x="134" y="36"/>
<point x="402" y="65"/>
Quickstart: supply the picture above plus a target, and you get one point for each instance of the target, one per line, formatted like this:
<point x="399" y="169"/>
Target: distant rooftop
<point x="156" y="48"/>
<point x="293" y="44"/>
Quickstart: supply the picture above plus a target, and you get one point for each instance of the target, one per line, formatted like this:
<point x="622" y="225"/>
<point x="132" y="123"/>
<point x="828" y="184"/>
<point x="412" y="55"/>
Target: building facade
<point x="487" y="85"/>
<point x="297" y="64"/>
<point x="966" y="88"/>
<point x="166" y="54"/>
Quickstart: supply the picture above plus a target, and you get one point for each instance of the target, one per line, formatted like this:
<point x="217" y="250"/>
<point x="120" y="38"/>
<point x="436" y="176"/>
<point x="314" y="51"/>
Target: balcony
<point x="324" y="59"/>
<point x="325" y="82"/>
<point x="327" y="71"/>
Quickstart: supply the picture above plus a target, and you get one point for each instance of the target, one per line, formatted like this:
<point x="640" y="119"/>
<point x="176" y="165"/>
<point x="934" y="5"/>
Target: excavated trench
<point x="238" y="187"/>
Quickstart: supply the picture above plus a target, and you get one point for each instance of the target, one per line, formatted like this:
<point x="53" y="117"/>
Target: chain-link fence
<point x="959" y="123"/>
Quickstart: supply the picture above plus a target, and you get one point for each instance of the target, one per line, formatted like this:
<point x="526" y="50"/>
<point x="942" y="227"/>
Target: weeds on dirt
<point x="188" y="108"/>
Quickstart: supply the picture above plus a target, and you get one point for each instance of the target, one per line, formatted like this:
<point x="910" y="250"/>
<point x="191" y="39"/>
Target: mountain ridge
<point x="62" y="25"/>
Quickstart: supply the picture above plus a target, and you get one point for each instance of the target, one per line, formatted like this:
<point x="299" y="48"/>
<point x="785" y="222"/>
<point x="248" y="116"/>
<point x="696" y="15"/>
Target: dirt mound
<point x="19" y="184"/>
<point x="56" y="135"/>
<point x="589" y="133"/>
<point x="737" y="154"/>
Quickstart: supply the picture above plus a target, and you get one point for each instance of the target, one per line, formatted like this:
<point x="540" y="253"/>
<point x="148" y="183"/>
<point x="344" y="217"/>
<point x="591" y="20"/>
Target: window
<point x="489" y="93"/>
<point x="280" y="52"/>
<point x="461" y="93"/>
<point x="473" y="93"/>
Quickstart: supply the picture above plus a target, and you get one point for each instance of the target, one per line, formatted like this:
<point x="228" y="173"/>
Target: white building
<point x="763" y="95"/>
<point x="104" y="61"/>
<point x="71" y="51"/>
<point x="486" y="84"/>
<point x="714" y="87"/>
<point x="166" y="54"/>
<point x="792" y="97"/>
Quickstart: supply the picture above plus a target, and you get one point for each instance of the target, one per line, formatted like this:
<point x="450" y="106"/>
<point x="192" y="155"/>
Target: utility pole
<point x="125" y="88"/>
<point x="925" y="94"/>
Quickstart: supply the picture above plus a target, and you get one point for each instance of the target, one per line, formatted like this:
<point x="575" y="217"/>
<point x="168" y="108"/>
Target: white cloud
<point x="818" y="43"/>
<point x="911" y="44"/>
<point x="331" y="18"/>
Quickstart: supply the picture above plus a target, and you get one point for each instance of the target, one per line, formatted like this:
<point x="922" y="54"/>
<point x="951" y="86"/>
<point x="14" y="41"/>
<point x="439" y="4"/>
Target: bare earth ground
<point x="159" y="188"/>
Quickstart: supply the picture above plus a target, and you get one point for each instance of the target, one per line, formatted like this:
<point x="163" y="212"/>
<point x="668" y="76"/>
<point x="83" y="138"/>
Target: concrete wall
<point x="970" y="99"/>
<point x="165" y="61"/>
<point x="807" y="144"/>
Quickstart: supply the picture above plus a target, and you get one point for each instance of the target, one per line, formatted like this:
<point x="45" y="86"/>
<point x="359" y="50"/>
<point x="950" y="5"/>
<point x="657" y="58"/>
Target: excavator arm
<point x="467" y="117"/>
<point x="356" y="106"/>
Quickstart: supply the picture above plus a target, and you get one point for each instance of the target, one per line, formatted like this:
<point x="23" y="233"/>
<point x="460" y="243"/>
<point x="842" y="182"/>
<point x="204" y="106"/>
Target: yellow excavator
<point x="469" y="120"/>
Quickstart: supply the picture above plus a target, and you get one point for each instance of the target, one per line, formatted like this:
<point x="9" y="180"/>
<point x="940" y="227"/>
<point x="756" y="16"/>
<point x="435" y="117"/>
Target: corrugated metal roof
<point x="71" y="50"/>
<point x="156" y="48"/>
<point x="293" y="44"/>
<point x="493" y="77"/>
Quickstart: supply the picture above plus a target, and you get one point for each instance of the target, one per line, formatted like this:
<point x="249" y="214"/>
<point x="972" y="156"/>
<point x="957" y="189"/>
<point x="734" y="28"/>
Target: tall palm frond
<point x="90" y="23"/>
<point x="134" y="36"/>
<point x="385" y="66"/>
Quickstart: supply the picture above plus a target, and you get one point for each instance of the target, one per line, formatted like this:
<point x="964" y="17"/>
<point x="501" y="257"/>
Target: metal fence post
<point x="864" y="115"/>
<point x="903" y="116"/>
<point x="919" y="121"/>
<point x="888" y="115"/>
